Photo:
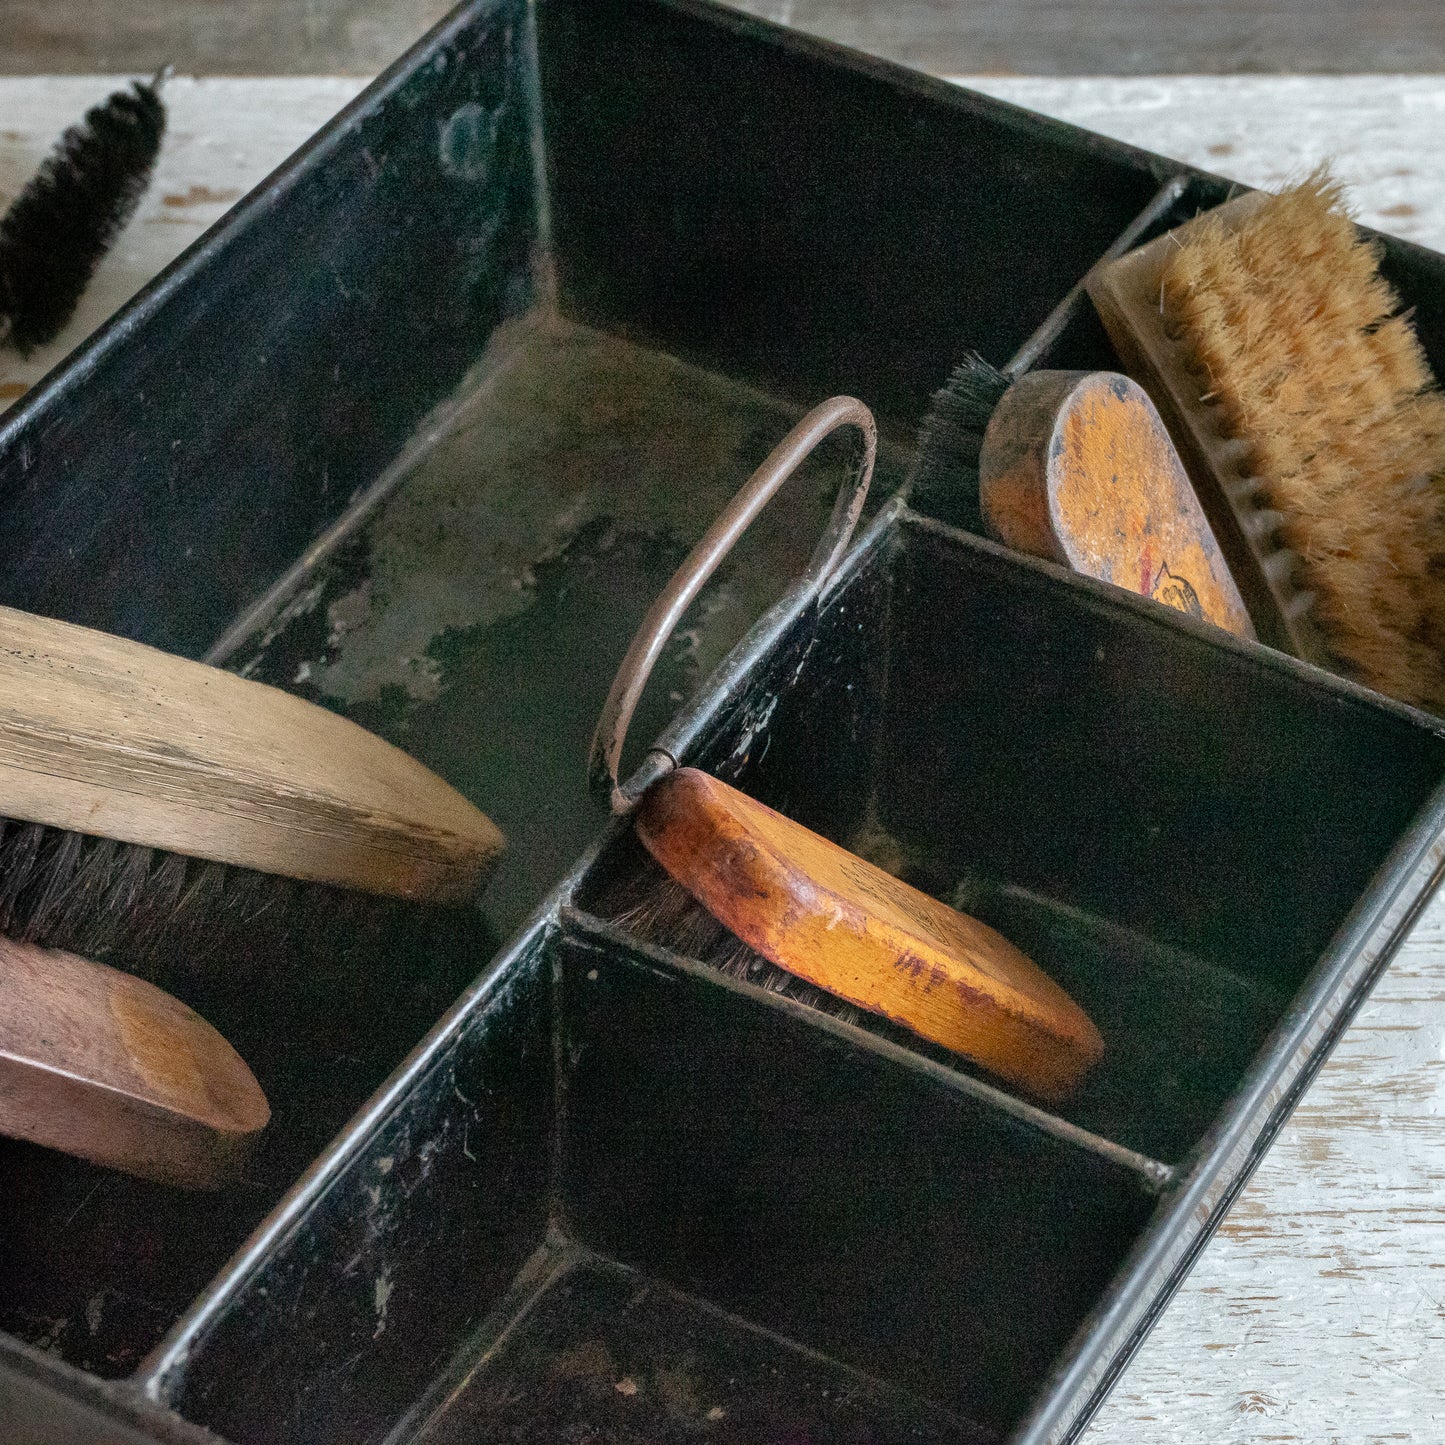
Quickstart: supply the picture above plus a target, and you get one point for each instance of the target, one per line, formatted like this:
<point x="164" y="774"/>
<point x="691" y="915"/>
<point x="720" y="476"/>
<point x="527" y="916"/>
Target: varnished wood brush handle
<point x="828" y="916"/>
<point x="101" y="1064"/>
<point x="1078" y="467"/>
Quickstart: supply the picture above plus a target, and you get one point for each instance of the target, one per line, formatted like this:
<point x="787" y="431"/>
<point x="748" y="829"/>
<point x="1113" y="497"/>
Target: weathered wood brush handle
<point x="101" y="1064"/>
<point x="837" y="921"/>
<point x="1126" y="294"/>
<point x="1077" y="467"/>
<point x="104" y="736"/>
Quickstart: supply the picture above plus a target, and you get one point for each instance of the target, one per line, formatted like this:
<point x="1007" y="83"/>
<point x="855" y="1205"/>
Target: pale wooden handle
<point x="107" y="737"/>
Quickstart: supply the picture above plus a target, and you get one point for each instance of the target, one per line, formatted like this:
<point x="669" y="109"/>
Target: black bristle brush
<point x="944" y="478"/>
<point x="651" y="906"/>
<point x="64" y="221"/>
<point x="156" y="813"/>
<point x="1076" y="467"/>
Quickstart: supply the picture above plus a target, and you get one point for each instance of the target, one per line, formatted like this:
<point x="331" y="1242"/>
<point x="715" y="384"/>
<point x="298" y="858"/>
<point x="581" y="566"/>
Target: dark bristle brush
<point x="156" y="812"/>
<point x="743" y="889"/>
<point x="65" y="219"/>
<point x="1078" y="468"/>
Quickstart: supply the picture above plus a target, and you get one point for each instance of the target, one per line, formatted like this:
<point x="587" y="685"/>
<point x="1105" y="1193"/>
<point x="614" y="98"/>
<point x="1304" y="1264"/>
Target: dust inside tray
<point x="603" y="1353"/>
<point x="477" y="617"/>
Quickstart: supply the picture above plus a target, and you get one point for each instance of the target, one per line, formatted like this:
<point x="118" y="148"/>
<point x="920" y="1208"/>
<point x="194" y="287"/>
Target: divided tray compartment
<point x="699" y="1186"/>
<point x="418" y="431"/>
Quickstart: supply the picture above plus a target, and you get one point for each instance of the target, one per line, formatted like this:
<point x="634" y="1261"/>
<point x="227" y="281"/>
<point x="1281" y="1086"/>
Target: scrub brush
<point x="1304" y="406"/>
<point x="63" y="222"/>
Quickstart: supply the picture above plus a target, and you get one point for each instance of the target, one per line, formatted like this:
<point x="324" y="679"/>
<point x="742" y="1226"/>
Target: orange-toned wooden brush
<point x="1077" y="467"/>
<point x="829" y="917"/>
<point x="807" y="906"/>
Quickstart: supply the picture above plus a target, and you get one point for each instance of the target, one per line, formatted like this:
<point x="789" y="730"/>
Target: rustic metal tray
<point x="419" y="431"/>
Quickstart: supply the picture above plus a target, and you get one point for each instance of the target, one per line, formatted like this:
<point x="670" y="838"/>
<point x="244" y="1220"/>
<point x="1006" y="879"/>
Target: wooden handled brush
<point x="807" y="906"/>
<point x="1309" y="420"/>
<point x="1077" y="467"/>
<point x="140" y="790"/>
<point x="100" y="1064"/>
<point x="832" y="918"/>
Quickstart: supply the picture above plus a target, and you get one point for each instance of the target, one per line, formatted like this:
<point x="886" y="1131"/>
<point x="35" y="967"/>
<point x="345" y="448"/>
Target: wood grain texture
<point x="104" y="736"/>
<point x="1062" y="37"/>
<point x="1078" y="468"/>
<point x="1129" y="37"/>
<point x="216" y="37"/>
<point x="835" y="920"/>
<point x="1125" y="293"/>
<point x="100" y="1064"/>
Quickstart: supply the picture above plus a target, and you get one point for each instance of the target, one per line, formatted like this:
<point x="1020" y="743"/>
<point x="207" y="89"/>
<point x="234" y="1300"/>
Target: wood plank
<point x="1130" y="37"/>
<point x="239" y="37"/>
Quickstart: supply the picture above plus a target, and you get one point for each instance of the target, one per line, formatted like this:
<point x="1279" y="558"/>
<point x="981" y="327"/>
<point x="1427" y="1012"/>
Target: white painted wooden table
<point x="1318" y="1313"/>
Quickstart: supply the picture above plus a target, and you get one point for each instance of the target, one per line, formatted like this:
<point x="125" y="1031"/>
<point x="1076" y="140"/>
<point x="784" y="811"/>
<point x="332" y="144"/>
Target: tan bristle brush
<point x="1307" y="415"/>
<point x="743" y="883"/>
<point x="154" y="808"/>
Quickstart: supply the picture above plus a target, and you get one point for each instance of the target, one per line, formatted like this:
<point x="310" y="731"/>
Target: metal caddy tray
<point x="419" y="431"/>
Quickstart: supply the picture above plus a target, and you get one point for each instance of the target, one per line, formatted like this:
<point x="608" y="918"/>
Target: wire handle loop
<point x="689" y="579"/>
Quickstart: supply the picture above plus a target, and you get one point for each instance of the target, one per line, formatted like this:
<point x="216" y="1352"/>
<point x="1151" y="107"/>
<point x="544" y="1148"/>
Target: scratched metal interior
<point x="515" y="328"/>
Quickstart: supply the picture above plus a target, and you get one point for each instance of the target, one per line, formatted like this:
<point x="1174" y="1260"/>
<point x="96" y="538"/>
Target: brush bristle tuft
<point x="945" y="473"/>
<point x="656" y="910"/>
<point x="64" y="220"/>
<point x="166" y="917"/>
<point x="1291" y="329"/>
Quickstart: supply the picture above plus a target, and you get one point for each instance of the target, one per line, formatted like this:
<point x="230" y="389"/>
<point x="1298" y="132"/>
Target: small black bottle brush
<point x="63" y="222"/>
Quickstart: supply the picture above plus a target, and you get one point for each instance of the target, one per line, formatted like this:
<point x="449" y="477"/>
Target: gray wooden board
<point x="1318" y="1313"/>
<point x="1129" y="37"/>
<point x="1059" y="37"/>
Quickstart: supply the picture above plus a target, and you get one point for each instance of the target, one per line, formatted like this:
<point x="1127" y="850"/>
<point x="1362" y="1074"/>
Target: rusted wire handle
<point x="664" y="615"/>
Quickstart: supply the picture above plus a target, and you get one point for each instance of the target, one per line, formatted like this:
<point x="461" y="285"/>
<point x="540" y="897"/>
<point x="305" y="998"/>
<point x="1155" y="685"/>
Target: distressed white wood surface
<point x="1384" y="134"/>
<point x="223" y="137"/>
<point x="1318" y="1313"/>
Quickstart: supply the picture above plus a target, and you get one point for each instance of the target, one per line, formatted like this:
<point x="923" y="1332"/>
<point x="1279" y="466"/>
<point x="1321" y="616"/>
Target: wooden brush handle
<point x="104" y="736"/>
<point x="1077" y="467"/>
<point x="101" y="1064"/>
<point x="828" y="916"/>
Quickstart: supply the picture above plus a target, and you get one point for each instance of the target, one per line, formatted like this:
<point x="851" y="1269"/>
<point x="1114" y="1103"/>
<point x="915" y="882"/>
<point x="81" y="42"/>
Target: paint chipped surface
<point x="477" y="617"/>
<point x="381" y="1297"/>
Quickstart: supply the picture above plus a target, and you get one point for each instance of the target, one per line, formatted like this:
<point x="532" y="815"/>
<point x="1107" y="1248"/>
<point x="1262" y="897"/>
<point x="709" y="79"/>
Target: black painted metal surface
<point x="487" y="357"/>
